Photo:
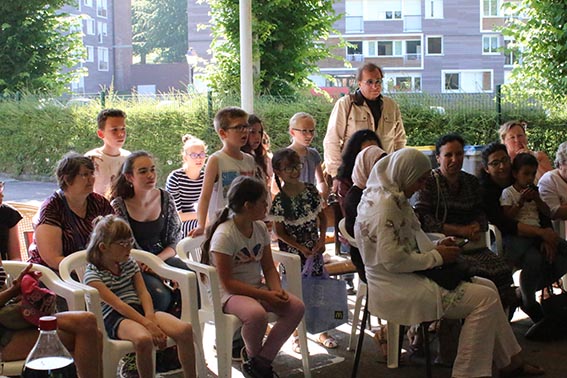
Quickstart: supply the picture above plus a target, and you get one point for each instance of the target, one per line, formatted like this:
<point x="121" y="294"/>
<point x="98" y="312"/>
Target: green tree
<point x="288" y="42"/>
<point x="37" y="47"/>
<point x="160" y="26"/>
<point x="541" y="35"/>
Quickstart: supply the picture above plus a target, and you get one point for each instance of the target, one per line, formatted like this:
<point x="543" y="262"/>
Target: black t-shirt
<point x="376" y="109"/>
<point x="9" y="217"/>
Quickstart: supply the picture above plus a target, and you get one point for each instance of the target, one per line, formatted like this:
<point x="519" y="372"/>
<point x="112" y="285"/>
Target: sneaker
<point x="167" y="360"/>
<point x="253" y="368"/>
<point x="127" y="367"/>
<point x="237" y="347"/>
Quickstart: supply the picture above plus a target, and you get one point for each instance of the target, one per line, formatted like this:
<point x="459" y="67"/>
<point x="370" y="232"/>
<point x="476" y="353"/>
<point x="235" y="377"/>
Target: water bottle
<point x="49" y="358"/>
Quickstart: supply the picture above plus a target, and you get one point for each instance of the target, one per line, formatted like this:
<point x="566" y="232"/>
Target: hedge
<point x="35" y="136"/>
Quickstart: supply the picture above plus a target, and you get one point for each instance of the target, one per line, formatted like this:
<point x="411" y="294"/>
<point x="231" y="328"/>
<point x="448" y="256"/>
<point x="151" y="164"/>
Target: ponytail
<point x="221" y="218"/>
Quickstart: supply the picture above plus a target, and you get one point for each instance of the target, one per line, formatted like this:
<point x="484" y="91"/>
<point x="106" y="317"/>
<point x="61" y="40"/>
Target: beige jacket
<point x="390" y="129"/>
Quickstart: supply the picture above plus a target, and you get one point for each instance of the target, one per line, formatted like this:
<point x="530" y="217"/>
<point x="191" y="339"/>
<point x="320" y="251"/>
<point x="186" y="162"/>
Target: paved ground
<point x="338" y="363"/>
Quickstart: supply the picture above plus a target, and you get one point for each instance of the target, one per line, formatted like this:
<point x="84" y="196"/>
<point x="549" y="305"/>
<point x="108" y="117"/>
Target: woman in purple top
<point x="65" y="219"/>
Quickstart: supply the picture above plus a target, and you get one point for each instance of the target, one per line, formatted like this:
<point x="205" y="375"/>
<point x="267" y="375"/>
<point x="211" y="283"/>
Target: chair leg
<point x="304" y="349"/>
<point x="360" y="341"/>
<point x="360" y="294"/>
<point x="425" y="336"/>
<point x="393" y="344"/>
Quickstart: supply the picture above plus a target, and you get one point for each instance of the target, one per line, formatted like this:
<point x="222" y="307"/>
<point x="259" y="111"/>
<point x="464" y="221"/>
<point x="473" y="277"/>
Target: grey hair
<point x="561" y="155"/>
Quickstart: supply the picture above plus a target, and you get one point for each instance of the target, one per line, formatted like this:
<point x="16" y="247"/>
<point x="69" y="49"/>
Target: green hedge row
<point x="34" y="137"/>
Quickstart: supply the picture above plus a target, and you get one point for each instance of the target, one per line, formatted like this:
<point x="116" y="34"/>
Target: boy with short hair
<point x="231" y="124"/>
<point x="109" y="158"/>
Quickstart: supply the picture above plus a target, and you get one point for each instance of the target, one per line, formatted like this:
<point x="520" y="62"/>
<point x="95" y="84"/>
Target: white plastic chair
<point x="114" y="350"/>
<point x="73" y="295"/>
<point x="189" y="250"/>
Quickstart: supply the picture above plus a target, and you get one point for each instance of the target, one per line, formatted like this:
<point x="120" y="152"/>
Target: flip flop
<point x="329" y="342"/>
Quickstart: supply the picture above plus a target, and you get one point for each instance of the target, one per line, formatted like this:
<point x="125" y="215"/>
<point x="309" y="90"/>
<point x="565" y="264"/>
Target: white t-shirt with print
<point x="106" y="168"/>
<point x="528" y="213"/>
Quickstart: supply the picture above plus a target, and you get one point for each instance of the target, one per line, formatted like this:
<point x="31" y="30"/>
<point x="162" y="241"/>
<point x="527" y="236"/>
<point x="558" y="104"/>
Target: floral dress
<point x="299" y="216"/>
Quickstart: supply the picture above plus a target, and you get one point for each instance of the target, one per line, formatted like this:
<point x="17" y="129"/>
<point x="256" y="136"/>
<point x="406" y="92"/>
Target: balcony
<point x="354" y="24"/>
<point x="412" y="23"/>
<point x="355" y="57"/>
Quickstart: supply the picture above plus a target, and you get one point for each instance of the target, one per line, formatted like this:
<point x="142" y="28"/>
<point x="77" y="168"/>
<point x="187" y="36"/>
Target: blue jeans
<point x="524" y="253"/>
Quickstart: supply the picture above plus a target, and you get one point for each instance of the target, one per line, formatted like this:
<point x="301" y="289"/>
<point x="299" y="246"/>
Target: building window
<point x="389" y="48"/>
<point x="90" y="26"/>
<point x="88" y="3"/>
<point x="401" y="82"/>
<point x="90" y="54"/>
<point x="512" y="54"/>
<point x="78" y="85"/>
<point x="433" y="8"/>
<point x="467" y="81"/>
<point x="102" y="8"/>
<point x="490" y="44"/>
<point x="491" y="8"/>
<point x="393" y="15"/>
<point x="102" y="59"/>
<point x="434" y="45"/>
<point x="102" y="31"/>
<point x="354" y="52"/>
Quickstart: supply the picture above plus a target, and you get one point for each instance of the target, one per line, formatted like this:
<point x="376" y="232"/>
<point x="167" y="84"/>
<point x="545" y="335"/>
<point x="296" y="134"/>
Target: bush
<point x="35" y="136"/>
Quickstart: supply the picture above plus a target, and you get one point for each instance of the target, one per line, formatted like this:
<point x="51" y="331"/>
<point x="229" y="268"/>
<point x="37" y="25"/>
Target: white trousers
<point x="485" y="325"/>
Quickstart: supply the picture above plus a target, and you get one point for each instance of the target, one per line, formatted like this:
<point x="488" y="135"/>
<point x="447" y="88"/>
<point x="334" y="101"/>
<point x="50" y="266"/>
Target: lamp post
<point x="192" y="60"/>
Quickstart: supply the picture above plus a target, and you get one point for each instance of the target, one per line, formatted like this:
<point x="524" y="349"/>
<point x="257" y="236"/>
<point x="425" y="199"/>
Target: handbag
<point x="449" y="276"/>
<point x="37" y="301"/>
<point x="325" y="300"/>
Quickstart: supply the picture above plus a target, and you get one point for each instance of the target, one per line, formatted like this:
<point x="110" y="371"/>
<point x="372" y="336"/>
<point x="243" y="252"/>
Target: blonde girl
<point x="127" y="306"/>
<point x="302" y="131"/>
<point x="185" y="184"/>
<point x="300" y="223"/>
<point x="238" y="244"/>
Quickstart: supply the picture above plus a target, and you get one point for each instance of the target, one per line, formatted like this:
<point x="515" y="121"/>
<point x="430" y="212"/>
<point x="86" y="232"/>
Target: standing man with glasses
<point x="364" y="109"/>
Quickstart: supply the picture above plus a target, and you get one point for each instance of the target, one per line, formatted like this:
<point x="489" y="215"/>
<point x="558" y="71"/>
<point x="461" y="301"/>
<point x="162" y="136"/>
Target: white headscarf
<point x="363" y="164"/>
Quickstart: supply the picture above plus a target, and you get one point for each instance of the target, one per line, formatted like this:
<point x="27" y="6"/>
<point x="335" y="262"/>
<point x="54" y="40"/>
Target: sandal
<point x="295" y="345"/>
<point x="524" y="370"/>
<point x="381" y="340"/>
<point x="328" y="342"/>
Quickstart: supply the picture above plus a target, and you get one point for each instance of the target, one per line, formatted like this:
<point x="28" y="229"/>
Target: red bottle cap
<point x="48" y="323"/>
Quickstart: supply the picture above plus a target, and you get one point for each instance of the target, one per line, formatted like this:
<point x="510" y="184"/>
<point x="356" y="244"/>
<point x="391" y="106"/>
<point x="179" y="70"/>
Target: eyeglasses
<point x="372" y="83"/>
<point x="125" y="243"/>
<point x="240" y="128"/>
<point x="194" y="155"/>
<point x="305" y="132"/>
<point x="1" y="186"/>
<point x="297" y="167"/>
<point x="496" y="163"/>
<point x="86" y="175"/>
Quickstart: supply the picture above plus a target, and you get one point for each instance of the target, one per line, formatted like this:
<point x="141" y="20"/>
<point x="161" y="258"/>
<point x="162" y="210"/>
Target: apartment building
<point x="433" y="46"/>
<point x="97" y="26"/>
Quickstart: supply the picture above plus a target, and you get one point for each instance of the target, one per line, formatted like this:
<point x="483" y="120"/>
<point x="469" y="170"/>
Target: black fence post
<point x="102" y="99"/>
<point x="499" y="102"/>
<point x="210" y="104"/>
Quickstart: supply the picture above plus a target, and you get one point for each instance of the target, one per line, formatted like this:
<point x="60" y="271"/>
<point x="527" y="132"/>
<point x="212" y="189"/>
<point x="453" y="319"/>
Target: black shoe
<point x="544" y="330"/>
<point x="237" y="347"/>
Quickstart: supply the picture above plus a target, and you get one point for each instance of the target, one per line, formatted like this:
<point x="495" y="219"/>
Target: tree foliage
<point x="541" y="35"/>
<point x="160" y="26"/>
<point x="288" y="42"/>
<point x="37" y="47"/>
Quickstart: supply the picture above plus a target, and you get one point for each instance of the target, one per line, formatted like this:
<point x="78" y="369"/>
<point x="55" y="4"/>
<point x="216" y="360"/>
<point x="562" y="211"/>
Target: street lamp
<point x="192" y="60"/>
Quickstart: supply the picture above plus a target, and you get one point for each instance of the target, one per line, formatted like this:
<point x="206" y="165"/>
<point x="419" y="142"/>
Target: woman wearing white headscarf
<point x="393" y="247"/>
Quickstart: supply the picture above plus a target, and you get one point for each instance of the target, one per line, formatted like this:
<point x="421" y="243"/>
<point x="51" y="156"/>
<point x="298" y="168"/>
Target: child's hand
<point x="198" y="231"/>
<point x="282" y="294"/>
<point x="276" y="298"/>
<point x="305" y="251"/>
<point x="159" y="338"/>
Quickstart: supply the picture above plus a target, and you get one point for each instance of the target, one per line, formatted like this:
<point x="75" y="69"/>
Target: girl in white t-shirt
<point x="238" y="244"/>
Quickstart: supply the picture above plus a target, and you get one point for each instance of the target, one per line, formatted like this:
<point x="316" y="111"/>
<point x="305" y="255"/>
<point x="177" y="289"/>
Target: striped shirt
<point x="75" y="231"/>
<point x="185" y="192"/>
<point x="122" y="285"/>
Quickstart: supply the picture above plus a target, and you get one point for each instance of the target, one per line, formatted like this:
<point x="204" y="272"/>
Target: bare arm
<point x="321" y="183"/>
<point x="211" y="171"/>
<point x="49" y="244"/>
<point x="14" y="243"/>
<point x="289" y="240"/>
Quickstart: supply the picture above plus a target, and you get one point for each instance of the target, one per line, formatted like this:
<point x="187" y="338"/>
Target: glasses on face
<point x="240" y="128"/>
<point x="372" y="83"/>
<point x="86" y="175"/>
<point x="496" y="163"/>
<point x="125" y="243"/>
<point x="305" y="132"/>
<point x="194" y="155"/>
<point x="297" y="168"/>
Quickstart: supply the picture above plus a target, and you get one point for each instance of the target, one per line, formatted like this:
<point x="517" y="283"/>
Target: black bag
<point x="449" y="276"/>
<point x="555" y="306"/>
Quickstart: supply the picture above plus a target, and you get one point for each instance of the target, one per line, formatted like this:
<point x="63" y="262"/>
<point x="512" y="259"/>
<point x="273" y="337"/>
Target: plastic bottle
<point x="49" y="358"/>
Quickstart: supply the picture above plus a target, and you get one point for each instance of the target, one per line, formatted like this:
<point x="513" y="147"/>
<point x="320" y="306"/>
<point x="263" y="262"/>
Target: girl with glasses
<point x="185" y="184"/>
<point x="300" y="223"/>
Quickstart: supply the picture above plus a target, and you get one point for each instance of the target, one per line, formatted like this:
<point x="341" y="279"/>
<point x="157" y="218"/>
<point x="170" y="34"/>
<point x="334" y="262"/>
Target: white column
<point x="246" y="76"/>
